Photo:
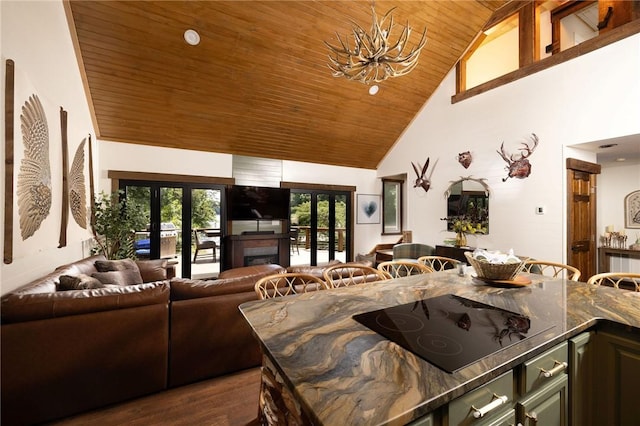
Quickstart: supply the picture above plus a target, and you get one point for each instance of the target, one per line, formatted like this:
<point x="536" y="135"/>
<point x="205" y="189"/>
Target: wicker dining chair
<point x="617" y="280"/>
<point x="403" y="268"/>
<point x="552" y="269"/>
<point x="348" y="274"/>
<point x="278" y="285"/>
<point x="439" y="263"/>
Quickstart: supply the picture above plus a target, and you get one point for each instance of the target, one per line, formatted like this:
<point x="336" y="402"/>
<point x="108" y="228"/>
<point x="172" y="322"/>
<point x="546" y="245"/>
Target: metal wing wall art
<point x="77" y="188"/>
<point x="34" y="178"/>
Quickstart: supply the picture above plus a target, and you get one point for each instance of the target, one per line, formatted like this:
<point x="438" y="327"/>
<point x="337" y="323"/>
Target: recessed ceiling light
<point x="373" y="89"/>
<point x="609" y="145"/>
<point x="192" y="37"/>
<point x="621" y="159"/>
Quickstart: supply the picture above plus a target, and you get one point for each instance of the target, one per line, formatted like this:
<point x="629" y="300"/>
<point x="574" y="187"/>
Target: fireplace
<point x="256" y="249"/>
<point x="264" y="259"/>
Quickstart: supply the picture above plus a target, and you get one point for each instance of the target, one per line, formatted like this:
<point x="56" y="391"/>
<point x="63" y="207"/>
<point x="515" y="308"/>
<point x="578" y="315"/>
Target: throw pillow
<point x="121" y="278"/>
<point x="78" y="282"/>
<point x="153" y="270"/>
<point x="115" y="265"/>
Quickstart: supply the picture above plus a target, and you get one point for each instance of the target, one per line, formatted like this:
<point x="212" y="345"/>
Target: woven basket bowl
<point x="494" y="271"/>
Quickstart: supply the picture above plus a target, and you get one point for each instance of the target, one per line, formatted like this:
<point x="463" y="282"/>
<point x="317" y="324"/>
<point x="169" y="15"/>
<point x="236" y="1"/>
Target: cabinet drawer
<point x="533" y="372"/>
<point x="461" y="410"/>
<point x="546" y="406"/>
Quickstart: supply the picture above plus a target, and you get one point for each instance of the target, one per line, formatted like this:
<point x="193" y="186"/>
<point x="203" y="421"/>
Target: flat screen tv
<point x="255" y="203"/>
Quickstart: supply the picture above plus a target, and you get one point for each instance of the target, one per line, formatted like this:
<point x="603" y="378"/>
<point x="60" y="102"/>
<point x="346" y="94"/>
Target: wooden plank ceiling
<point x="258" y="83"/>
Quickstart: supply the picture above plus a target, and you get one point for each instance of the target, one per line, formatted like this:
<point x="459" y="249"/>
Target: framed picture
<point x="368" y="208"/>
<point x="632" y="210"/>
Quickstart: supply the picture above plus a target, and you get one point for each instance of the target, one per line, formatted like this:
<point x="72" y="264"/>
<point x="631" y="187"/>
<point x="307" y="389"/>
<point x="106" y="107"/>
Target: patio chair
<point x="284" y="284"/>
<point x="403" y="268"/>
<point x="348" y="274"/>
<point x="553" y="269"/>
<point x="615" y="279"/>
<point x="439" y="263"/>
<point x="204" y="242"/>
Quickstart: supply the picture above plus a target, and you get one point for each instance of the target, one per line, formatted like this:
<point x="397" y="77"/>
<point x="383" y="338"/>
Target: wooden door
<point x="581" y="216"/>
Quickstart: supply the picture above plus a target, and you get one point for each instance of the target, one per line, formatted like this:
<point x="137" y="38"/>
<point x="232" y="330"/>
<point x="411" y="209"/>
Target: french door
<point x="321" y="226"/>
<point x="183" y="224"/>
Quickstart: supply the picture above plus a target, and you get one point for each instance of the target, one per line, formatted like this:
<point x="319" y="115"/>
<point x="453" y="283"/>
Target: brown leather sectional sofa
<point x="66" y="352"/>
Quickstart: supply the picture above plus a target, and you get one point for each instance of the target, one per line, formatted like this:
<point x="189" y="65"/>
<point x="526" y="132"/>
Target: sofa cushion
<point x="316" y="271"/>
<point x="237" y="280"/>
<point x="124" y="277"/>
<point x="152" y="270"/>
<point x="30" y="307"/>
<point x="78" y="282"/>
<point x="115" y="265"/>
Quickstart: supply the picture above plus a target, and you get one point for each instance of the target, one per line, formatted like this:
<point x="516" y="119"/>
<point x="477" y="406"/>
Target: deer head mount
<point x="422" y="180"/>
<point x="518" y="165"/>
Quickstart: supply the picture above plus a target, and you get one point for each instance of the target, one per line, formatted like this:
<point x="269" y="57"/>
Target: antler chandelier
<point x="373" y="57"/>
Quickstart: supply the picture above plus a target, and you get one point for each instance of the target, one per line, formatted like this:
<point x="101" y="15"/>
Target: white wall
<point x="36" y="36"/>
<point x="593" y="97"/>
<point x="615" y="182"/>
<point x="139" y="158"/>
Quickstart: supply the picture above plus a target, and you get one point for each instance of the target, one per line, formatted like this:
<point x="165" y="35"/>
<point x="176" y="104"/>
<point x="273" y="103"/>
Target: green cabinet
<point x="535" y="392"/>
<point x="589" y="380"/>
<point x="544" y="389"/>
<point x="483" y="405"/>
<point x="581" y="364"/>
<point x="547" y="405"/>
<point x="617" y="374"/>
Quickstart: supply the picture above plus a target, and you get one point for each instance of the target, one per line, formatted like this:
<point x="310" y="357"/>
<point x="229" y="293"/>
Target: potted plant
<point x="115" y="224"/>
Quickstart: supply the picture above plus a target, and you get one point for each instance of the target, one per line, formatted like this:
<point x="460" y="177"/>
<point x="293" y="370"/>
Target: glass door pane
<point x="319" y="221"/>
<point x="206" y="241"/>
<point x="141" y="196"/>
<point x="300" y="221"/>
<point x="323" y="231"/>
<point x="171" y="226"/>
<point x="340" y="244"/>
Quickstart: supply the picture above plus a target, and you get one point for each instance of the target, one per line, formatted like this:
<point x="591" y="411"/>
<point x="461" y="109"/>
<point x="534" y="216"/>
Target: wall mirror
<point x="468" y="197"/>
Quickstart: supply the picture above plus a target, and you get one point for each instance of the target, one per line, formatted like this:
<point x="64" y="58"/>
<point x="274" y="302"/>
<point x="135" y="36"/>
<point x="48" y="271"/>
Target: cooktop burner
<point x="450" y="331"/>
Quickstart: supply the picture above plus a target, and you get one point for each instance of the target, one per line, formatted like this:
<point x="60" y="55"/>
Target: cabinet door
<point x="581" y="357"/>
<point x="548" y="405"/>
<point x="618" y="375"/>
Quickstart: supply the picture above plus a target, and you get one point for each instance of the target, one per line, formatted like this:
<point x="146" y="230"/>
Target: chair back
<point x="348" y="274"/>
<point x="412" y="251"/>
<point x="625" y="280"/>
<point x="552" y="269"/>
<point x="439" y="263"/>
<point x="278" y="285"/>
<point x="403" y="268"/>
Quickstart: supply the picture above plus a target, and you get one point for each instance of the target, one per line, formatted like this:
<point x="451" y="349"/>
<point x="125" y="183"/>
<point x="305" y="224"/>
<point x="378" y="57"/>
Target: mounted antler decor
<point x="374" y="57"/>
<point x="519" y="166"/>
<point x="421" y="180"/>
<point x="481" y="181"/>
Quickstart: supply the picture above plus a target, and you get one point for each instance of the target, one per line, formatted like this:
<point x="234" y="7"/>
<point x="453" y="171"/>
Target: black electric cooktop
<point x="450" y="331"/>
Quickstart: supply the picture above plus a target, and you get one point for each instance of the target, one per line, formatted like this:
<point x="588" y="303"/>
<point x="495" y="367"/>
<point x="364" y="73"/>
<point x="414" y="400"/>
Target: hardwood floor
<point x="230" y="400"/>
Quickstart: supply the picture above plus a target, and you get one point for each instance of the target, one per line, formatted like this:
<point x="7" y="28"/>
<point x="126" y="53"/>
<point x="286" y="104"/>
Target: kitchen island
<point x="340" y="372"/>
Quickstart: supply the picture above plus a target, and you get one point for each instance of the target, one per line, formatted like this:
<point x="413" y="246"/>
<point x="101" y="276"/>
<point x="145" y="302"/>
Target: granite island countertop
<point x="341" y="372"/>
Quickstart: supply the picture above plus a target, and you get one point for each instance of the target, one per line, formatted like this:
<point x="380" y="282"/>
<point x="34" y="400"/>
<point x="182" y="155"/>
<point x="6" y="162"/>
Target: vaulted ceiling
<point x="258" y="84"/>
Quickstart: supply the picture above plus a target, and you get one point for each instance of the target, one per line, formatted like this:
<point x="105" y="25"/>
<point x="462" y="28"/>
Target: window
<point x="522" y="38"/>
<point x="392" y="206"/>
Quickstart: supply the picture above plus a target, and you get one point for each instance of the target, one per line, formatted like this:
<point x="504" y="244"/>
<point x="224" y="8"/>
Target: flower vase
<point x="461" y="239"/>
